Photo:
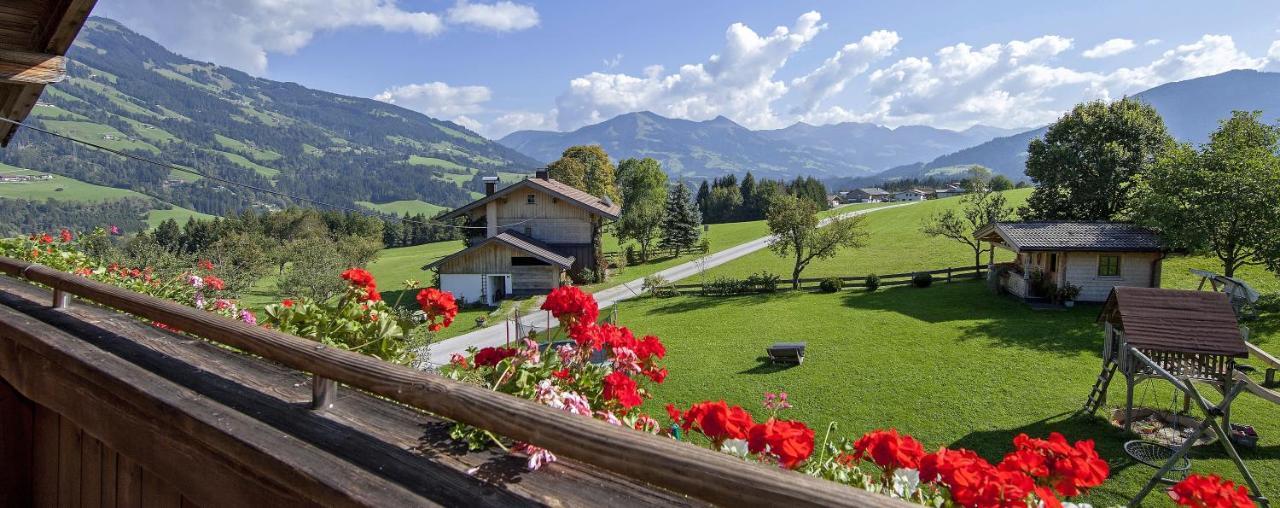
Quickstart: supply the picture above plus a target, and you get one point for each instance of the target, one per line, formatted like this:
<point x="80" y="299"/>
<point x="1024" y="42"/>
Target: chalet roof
<point x="1072" y="236"/>
<point x="873" y="191"/>
<point x="1175" y="320"/>
<point x="570" y="194"/>
<point x="516" y="241"/>
<point x="34" y="39"/>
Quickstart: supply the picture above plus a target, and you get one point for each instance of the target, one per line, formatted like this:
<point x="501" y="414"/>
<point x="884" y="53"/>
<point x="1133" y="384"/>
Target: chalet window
<point x="527" y="261"/>
<point x="1053" y="262"/>
<point x="530" y="199"/>
<point x="1108" y="266"/>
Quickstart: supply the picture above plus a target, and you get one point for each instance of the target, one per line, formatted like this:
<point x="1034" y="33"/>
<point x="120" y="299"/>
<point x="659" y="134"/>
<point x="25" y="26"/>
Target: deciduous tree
<point x="1223" y="200"/>
<point x="644" y="202"/>
<point x="976" y="210"/>
<point x="794" y="224"/>
<point x="1087" y="163"/>
<point x="598" y="173"/>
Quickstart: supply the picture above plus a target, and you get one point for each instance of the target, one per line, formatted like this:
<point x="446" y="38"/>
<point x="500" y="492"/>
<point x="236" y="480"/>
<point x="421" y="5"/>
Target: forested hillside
<point x="127" y="92"/>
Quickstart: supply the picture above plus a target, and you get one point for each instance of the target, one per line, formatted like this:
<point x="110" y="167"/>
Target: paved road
<point x="497" y="335"/>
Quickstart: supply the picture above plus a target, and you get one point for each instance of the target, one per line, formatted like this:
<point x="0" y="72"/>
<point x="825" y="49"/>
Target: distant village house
<point x="910" y="195"/>
<point x="1093" y="256"/>
<point x="868" y="195"/>
<point x="524" y="239"/>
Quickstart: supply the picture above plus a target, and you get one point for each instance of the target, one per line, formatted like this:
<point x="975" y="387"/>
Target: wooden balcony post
<point x="61" y="299"/>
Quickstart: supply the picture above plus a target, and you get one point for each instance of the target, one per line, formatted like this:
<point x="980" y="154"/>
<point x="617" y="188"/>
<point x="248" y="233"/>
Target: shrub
<point x="659" y="287"/>
<point x="721" y="286"/>
<point x="705" y="245"/>
<point x="763" y="282"/>
<point x="873" y="282"/>
<point x="922" y="280"/>
<point x="1068" y="292"/>
<point x="831" y="284"/>
<point x="632" y="256"/>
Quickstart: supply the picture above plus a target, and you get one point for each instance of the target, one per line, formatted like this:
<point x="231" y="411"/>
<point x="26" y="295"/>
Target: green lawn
<point x="894" y="245"/>
<point x="245" y="148"/>
<point x="177" y="213"/>
<point x="244" y="162"/>
<point x="60" y="188"/>
<point x="952" y="365"/>
<point x="410" y="206"/>
<point x="100" y="134"/>
<point x="433" y="162"/>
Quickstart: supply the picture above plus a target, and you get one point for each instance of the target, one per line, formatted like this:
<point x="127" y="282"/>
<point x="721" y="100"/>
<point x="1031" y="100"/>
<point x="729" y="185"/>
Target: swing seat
<point x="1155" y="455"/>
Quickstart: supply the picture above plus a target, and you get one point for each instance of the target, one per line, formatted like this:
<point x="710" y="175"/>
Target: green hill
<point x="128" y="93"/>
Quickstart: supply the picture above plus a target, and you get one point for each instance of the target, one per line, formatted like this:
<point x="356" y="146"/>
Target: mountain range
<point x="1191" y="110"/>
<point x="127" y="92"/>
<point x="719" y="146"/>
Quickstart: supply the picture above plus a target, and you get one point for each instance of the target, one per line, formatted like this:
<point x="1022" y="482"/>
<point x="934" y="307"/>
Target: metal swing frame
<point x="1211" y="414"/>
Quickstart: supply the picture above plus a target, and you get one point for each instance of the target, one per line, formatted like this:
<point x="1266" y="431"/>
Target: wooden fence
<point x="37" y="344"/>
<point x="888" y="280"/>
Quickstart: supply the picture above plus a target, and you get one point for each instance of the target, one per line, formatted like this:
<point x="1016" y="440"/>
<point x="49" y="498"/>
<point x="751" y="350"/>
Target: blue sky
<point x="507" y="65"/>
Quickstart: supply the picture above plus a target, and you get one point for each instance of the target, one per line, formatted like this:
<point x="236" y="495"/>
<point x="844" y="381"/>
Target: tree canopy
<point x="1087" y="163"/>
<point x="644" y="201"/>
<point x="793" y="221"/>
<point x="682" y="225"/>
<point x="1223" y="200"/>
<point x="593" y="172"/>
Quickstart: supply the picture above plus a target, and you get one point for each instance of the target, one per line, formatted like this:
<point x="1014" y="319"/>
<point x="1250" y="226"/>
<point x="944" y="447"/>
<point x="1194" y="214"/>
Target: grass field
<point x="177" y="213"/>
<point x="104" y="135"/>
<point x="410" y="206"/>
<point x="894" y="244"/>
<point x="953" y="365"/>
<point x="433" y="162"/>
<point x="60" y="188"/>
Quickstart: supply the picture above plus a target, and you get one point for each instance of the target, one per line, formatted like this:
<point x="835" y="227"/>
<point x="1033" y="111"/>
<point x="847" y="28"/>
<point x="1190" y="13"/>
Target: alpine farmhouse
<point x="525" y="239"/>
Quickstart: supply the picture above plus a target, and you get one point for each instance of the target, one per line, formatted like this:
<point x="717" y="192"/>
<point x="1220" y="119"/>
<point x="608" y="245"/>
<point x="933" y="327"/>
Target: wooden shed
<point x="34" y="38"/>
<point x="1094" y="256"/>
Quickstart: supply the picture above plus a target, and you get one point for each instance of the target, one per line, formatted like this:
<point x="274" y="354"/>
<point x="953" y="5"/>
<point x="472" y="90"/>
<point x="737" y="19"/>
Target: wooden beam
<point x="24" y="68"/>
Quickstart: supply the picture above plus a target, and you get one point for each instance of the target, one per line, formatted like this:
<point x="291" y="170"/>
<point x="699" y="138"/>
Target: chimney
<point x="490" y="182"/>
<point x="541" y="174"/>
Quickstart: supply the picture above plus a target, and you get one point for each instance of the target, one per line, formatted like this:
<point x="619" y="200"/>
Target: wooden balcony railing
<point x="222" y="420"/>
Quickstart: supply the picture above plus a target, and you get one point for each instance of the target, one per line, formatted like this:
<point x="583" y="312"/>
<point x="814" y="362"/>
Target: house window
<point x="530" y="199"/>
<point x="1053" y="262"/>
<point x="1108" y="266"/>
<point x="527" y="261"/>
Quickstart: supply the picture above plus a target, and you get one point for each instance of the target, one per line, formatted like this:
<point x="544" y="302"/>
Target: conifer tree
<point x="682" y="228"/>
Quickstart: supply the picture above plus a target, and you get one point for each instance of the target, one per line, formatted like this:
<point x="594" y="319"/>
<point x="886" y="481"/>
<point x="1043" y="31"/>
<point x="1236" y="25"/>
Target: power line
<point x="235" y="183"/>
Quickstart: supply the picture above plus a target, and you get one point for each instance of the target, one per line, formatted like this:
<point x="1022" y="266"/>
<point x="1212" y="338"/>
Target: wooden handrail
<point x="681" y="467"/>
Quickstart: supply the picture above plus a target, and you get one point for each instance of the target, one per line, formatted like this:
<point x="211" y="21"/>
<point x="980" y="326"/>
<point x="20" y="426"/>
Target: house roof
<point x="516" y="241"/>
<point x="1175" y="320"/>
<point x="1072" y="236"/>
<point x="912" y="191"/>
<point x="872" y="191"/>
<point x="34" y="37"/>
<point x="572" y="195"/>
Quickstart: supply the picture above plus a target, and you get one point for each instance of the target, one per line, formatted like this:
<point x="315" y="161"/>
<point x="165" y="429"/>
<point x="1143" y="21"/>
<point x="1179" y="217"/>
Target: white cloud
<point x="737" y="82"/>
<point x="243" y="33"/>
<point x="1212" y="54"/>
<point x="610" y="63"/>
<point x="853" y="59"/>
<point x="1111" y="47"/>
<point x="1273" y="56"/>
<point x="440" y="100"/>
<point x="502" y="16"/>
<point x="1152" y="42"/>
<point x="521" y="120"/>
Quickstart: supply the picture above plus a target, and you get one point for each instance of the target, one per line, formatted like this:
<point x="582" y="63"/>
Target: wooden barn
<point x="525" y="239"/>
<point x="34" y="38"/>
<point x="1093" y="256"/>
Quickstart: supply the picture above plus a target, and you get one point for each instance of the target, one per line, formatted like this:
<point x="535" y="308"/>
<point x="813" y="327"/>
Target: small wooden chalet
<point x="525" y="239"/>
<point x="34" y="38"/>
<point x="1093" y="256"/>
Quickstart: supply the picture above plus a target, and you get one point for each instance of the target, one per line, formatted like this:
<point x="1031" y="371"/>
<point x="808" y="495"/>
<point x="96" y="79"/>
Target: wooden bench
<point x="1273" y="364"/>
<point x="786" y="352"/>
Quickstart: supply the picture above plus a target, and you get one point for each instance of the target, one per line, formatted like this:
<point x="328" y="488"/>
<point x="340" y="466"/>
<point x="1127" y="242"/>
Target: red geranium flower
<point x="974" y="482"/>
<point x="1210" y="491"/>
<point x="437" y="305"/>
<point x="649" y="347"/>
<point x="571" y="306"/>
<point x="214" y="282"/>
<point x="205" y="264"/>
<point x="358" y="277"/>
<point x="66" y="235"/>
<point x="288" y="303"/>
<point x="791" y="441"/>
<point x="889" y="450"/>
<point x="716" y="420"/>
<point x="491" y="356"/>
<point x="1069" y="469"/>
<point x="657" y="375"/>
<point x="620" y="387"/>
<point x="46" y="238"/>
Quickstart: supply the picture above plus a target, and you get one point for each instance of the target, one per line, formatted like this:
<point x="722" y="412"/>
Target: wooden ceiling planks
<point x="42" y="30"/>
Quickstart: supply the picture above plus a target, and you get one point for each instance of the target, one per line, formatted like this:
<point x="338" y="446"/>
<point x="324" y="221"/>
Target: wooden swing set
<point x="1182" y="337"/>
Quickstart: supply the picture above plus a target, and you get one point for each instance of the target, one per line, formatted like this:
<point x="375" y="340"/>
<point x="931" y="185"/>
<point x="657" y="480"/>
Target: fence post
<point x="948" y="274"/>
<point x="61" y="299"/>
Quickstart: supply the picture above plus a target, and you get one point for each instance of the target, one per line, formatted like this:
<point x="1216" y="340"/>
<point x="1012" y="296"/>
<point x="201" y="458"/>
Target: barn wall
<point x="492" y="258"/>
<point x="549" y="219"/>
<point x="1082" y="270"/>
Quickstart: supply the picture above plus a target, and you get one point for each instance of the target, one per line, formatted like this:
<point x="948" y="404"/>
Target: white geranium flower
<point x="736" y="447"/>
<point x="905" y="482"/>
